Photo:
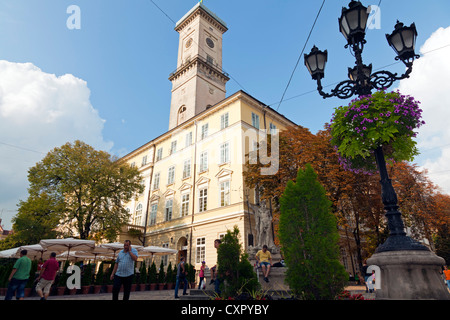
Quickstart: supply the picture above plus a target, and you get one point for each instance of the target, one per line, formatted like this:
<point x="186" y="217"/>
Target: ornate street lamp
<point x="352" y="24"/>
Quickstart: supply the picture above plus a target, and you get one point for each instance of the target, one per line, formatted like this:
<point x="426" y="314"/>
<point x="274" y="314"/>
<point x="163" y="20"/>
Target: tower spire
<point x="199" y="81"/>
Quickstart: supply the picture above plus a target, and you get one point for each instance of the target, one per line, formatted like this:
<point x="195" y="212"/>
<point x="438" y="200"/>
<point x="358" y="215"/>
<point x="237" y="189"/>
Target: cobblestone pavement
<point x="159" y="295"/>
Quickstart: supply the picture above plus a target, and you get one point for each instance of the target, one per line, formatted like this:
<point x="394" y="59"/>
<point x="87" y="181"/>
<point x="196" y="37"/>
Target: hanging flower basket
<point x="368" y="122"/>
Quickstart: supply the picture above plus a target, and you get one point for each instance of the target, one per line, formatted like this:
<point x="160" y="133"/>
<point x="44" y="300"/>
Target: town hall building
<point x="193" y="174"/>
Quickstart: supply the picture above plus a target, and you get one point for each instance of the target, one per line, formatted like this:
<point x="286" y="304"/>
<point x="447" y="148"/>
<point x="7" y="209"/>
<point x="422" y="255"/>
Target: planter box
<point x="85" y="289"/>
<point x="60" y="291"/>
<point x="142" y="287"/>
<point x="97" y="288"/>
<point x="152" y="286"/>
<point x="161" y="286"/>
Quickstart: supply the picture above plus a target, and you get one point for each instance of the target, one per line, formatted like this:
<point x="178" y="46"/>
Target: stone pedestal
<point x="409" y="275"/>
<point x="276" y="275"/>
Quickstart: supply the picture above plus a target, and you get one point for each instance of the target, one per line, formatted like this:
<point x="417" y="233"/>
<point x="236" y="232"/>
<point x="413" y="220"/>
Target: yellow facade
<point x="195" y="191"/>
<point x="193" y="174"/>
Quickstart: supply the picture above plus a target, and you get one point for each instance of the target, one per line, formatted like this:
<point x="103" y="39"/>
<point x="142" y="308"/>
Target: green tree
<point x="309" y="238"/>
<point x="84" y="189"/>
<point x="152" y="274"/>
<point x="37" y="219"/>
<point x="234" y="266"/>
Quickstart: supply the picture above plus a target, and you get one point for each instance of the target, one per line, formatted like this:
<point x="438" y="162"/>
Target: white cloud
<point x="38" y="112"/>
<point x="430" y="84"/>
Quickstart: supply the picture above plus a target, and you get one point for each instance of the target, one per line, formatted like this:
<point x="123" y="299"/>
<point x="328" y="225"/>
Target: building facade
<point x="193" y="174"/>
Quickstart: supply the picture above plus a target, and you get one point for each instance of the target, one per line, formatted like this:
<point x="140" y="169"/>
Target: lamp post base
<point x="409" y="275"/>
<point x="400" y="243"/>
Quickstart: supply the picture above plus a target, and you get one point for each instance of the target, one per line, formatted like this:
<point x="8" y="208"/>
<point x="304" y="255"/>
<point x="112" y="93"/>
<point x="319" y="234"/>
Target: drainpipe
<point x="149" y="194"/>
<point x="193" y="192"/>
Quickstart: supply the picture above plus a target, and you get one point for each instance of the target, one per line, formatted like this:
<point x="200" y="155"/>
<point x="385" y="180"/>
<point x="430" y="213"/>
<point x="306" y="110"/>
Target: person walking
<point x="19" y="277"/>
<point x="201" y="275"/>
<point x="47" y="276"/>
<point x="181" y="277"/>
<point x="447" y="276"/>
<point x="123" y="271"/>
<point x="264" y="258"/>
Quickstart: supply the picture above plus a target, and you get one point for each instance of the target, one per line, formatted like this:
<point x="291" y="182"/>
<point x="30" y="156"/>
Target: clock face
<point x="189" y="42"/>
<point x="210" y="43"/>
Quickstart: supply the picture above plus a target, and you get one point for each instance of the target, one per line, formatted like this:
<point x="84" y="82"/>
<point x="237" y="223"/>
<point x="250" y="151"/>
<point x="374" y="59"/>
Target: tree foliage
<point x="355" y="197"/>
<point x="80" y="190"/>
<point x="309" y="238"/>
<point x="234" y="266"/>
<point x="380" y="119"/>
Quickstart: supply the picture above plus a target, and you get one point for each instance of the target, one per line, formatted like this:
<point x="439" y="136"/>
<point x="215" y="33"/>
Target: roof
<point x="202" y="6"/>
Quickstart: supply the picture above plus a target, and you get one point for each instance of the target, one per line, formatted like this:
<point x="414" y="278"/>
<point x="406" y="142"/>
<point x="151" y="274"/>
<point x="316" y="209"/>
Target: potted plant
<point x="152" y="277"/>
<point x="191" y="274"/>
<point x="161" y="276"/>
<point x="98" y="283"/>
<point x="108" y="281"/>
<point x="62" y="279"/>
<point x="381" y="120"/>
<point x="143" y="277"/>
<point x="30" y="283"/>
<point x="3" y="280"/>
<point x="170" y="276"/>
<point x="86" y="279"/>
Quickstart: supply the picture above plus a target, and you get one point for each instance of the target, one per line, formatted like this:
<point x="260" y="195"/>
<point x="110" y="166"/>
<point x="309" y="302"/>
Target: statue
<point x="263" y="221"/>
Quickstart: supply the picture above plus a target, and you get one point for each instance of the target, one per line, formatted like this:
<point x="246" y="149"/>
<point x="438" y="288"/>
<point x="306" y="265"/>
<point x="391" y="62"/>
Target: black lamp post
<point x="352" y="24"/>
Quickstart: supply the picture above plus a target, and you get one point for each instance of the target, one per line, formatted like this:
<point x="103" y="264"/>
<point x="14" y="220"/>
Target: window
<point x="156" y="181"/>
<point x="224" y="153"/>
<point x="164" y="258"/>
<point x="224" y="121"/>
<point x="188" y="140"/>
<point x="273" y="129"/>
<point x="144" y="161"/>
<point x="171" y="175"/>
<point x="169" y="207"/>
<point x="203" y="200"/>
<point x="153" y="211"/>
<point x="255" y="120"/>
<point x="187" y="168"/>
<point x="181" y="115"/>
<point x="173" y="147"/>
<point x="204" y="131"/>
<point x="203" y="161"/>
<point x="138" y="215"/>
<point x="159" y="154"/>
<point x="133" y="164"/>
<point x="200" y="250"/>
<point x="224" y="193"/>
<point x="209" y="59"/>
<point x="185" y="204"/>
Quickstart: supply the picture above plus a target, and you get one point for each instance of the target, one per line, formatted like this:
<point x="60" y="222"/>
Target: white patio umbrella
<point x="9" y="253"/>
<point x="61" y="245"/>
<point x="160" y="251"/>
<point x="117" y="246"/>
<point x="35" y="250"/>
<point x="84" y="255"/>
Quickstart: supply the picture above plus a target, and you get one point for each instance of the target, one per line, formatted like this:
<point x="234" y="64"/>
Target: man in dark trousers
<point x="123" y="271"/>
<point x="181" y="276"/>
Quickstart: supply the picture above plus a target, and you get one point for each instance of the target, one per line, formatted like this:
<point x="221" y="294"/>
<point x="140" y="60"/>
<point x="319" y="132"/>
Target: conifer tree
<point x="309" y="238"/>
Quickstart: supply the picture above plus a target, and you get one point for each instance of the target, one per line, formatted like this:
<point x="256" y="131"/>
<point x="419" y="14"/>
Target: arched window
<point x="138" y="215"/>
<point x="181" y="115"/>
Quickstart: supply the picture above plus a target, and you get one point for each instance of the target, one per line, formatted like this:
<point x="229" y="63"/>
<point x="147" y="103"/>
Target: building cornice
<point x="201" y="10"/>
<point x="199" y="61"/>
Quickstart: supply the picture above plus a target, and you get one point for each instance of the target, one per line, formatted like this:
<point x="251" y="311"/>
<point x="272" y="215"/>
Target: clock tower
<point x="198" y="81"/>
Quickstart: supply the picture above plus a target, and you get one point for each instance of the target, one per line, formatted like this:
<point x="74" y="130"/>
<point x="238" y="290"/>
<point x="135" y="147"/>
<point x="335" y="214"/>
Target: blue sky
<point x="115" y="70"/>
